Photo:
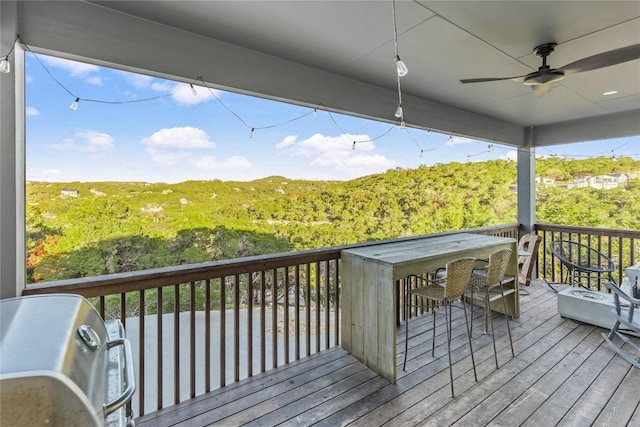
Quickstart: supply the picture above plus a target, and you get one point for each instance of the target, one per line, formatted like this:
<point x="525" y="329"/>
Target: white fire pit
<point x="587" y="306"/>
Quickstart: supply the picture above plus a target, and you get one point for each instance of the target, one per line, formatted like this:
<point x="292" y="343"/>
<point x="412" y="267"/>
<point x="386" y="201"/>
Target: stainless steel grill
<point x="60" y="364"/>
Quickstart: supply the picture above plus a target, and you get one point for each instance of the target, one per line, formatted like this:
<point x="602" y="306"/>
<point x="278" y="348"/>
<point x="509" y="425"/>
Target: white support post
<point x="11" y="277"/>
<point x="526" y="188"/>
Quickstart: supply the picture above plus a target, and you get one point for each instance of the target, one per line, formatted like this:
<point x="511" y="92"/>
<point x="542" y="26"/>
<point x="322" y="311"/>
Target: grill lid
<point x="52" y="355"/>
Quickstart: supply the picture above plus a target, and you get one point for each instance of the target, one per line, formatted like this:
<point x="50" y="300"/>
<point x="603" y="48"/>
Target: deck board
<point x="563" y="374"/>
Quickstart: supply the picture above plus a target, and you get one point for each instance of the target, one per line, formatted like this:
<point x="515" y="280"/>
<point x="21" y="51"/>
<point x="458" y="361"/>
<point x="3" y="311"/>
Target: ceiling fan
<point x="541" y="80"/>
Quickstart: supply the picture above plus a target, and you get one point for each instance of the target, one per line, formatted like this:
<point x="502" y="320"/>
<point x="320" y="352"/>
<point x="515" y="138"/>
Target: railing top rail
<point x="588" y="230"/>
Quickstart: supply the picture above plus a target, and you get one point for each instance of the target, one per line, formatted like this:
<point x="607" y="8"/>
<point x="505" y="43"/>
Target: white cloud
<point x="287" y="141"/>
<point x="179" y="138"/>
<point x="166" y="157"/>
<point x="74" y="68"/>
<point x="86" y="141"/>
<point x="31" y="111"/>
<point x="210" y="162"/>
<point x="182" y="94"/>
<point x="137" y="80"/>
<point x="96" y="140"/>
<point x="338" y="153"/>
<point x="95" y="80"/>
<point x="159" y="86"/>
<point x="511" y="155"/>
<point x="456" y="140"/>
<point x="319" y="144"/>
<point x="41" y="174"/>
<point x="173" y="146"/>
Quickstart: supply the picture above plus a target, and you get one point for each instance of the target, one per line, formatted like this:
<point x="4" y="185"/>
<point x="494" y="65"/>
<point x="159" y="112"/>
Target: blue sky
<point x="178" y="136"/>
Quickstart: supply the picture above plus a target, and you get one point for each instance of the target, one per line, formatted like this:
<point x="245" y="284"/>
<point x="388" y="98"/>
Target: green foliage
<point x="116" y="227"/>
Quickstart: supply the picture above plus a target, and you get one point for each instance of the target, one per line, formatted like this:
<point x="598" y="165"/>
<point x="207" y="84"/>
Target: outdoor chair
<point x="626" y="309"/>
<point x="527" y="254"/>
<point x="444" y="292"/>
<point x="487" y="284"/>
<point x="582" y="263"/>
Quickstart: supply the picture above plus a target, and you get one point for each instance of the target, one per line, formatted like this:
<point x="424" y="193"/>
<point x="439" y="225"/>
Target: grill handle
<point x="129" y="377"/>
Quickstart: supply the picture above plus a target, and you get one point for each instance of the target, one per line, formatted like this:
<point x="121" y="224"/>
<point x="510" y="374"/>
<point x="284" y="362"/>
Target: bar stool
<point x="450" y="289"/>
<point x="489" y="283"/>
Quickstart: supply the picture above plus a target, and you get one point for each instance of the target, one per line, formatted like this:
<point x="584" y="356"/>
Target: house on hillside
<point x="69" y="192"/>
<point x="601" y="182"/>
<point x="621" y="178"/>
<point x="545" y="181"/>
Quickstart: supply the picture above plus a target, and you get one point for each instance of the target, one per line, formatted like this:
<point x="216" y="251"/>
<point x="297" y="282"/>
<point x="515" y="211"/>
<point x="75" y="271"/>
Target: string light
<point x="193" y="90"/>
<point x="422" y="150"/>
<point x="489" y="149"/>
<point x="5" y="65"/>
<point x="401" y="68"/>
<point x="74" y="104"/>
<point x="251" y="134"/>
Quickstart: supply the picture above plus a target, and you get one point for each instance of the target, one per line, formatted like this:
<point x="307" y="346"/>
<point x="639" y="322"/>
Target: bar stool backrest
<point x="458" y="277"/>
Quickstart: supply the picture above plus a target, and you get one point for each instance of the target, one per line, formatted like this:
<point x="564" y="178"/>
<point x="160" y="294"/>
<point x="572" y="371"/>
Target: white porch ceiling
<point x="328" y="46"/>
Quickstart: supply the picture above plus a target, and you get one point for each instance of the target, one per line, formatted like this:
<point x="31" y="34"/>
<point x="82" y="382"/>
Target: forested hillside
<point x="83" y="229"/>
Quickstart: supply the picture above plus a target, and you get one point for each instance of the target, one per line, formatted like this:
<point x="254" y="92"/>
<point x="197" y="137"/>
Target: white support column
<point x="527" y="187"/>
<point x="11" y="277"/>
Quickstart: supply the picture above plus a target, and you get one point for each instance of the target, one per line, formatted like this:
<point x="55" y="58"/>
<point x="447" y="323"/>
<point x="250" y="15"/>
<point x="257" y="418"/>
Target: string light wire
<point x="313" y="112"/>
<point x="401" y="68"/>
<point x="79" y="98"/>
<point x="253" y="128"/>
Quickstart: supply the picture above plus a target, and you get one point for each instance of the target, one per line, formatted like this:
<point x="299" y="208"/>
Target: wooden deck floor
<point x="563" y="374"/>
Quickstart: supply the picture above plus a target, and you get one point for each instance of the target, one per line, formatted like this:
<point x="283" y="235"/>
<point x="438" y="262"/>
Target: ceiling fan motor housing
<point x="543" y="76"/>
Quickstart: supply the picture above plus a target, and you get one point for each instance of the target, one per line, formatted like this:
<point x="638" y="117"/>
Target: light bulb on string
<point x="193" y="90"/>
<point x="5" y="65"/>
<point x="74" y="104"/>
<point x="251" y="133"/>
<point x="399" y="112"/>
<point x="402" y="68"/>
<point x="315" y="112"/>
<point x="354" y="145"/>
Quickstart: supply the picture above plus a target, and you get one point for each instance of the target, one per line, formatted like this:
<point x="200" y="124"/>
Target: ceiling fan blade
<point x="605" y="59"/>
<point x="493" y="79"/>
<point x="539" y="90"/>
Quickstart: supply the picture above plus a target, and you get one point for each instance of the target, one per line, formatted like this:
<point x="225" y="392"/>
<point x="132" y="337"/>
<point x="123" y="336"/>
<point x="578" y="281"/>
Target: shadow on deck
<point x="563" y="374"/>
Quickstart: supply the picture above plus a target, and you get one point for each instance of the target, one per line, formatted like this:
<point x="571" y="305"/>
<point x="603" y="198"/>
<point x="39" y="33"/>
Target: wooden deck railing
<point x="622" y="246"/>
<point x="198" y="327"/>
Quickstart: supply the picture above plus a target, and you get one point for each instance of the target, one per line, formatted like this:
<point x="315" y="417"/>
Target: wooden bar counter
<point x="369" y="300"/>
